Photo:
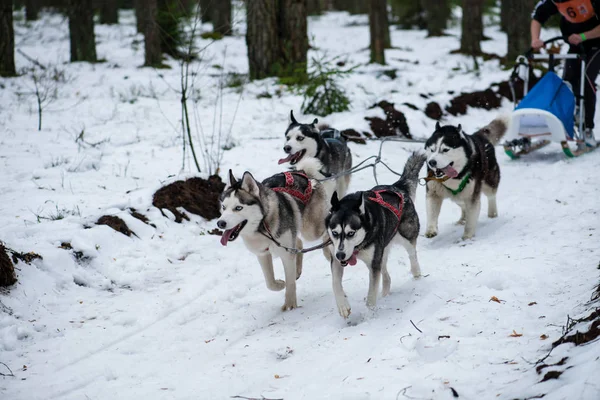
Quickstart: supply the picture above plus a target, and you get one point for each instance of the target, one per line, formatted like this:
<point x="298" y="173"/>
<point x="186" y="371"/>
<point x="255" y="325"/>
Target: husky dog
<point x="328" y="146"/>
<point x="269" y="216"/>
<point x="363" y="225"/>
<point x="461" y="167"/>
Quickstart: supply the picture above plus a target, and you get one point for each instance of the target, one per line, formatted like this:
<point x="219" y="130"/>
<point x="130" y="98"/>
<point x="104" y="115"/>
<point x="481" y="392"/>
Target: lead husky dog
<point x="363" y="225"/>
<point x="329" y="147"/>
<point x="461" y="167"/>
<point x="270" y="215"/>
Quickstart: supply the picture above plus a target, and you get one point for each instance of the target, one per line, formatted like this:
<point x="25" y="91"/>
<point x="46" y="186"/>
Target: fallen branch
<point x="252" y="398"/>
<point x="413" y="324"/>
<point x="11" y="373"/>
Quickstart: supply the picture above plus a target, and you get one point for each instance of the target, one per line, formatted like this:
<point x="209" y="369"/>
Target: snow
<point x="171" y="314"/>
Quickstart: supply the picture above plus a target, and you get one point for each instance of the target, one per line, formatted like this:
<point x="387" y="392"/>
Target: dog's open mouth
<point x="351" y="261"/>
<point x="293" y="158"/>
<point x="448" y="170"/>
<point x="231" y="234"/>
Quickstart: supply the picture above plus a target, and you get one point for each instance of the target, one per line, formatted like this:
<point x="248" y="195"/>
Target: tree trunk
<point x="378" y="27"/>
<point x="81" y="30"/>
<point x="221" y="17"/>
<point x="517" y="28"/>
<point x="109" y="12"/>
<point x="168" y="17"/>
<point x="294" y="36"/>
<point x="139" y="6"/>
<point x="505" y="14"/>
<point x="437" y="13"/>
<point x="358" y="6"/>
<point x="7" y="40"/>
<point x="32" y="9"/>
<point x="262" y="38"/>
<point x="314" y="7"/>
<point x="472" y="27"/>
<point x="206" y="7"/>
<point x="153" y="53"/>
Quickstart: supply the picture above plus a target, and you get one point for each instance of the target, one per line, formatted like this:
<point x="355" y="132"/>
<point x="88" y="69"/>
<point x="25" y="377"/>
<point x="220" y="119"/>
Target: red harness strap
<point x="289" y="187"/>
<point x="379" y="200"/>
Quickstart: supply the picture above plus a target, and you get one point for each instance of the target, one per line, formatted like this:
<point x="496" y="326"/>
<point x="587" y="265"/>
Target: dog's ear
<point x="232" y="180"/>
<point x="361" y="204"/>
<point x="250" y="185"/>
<point x="462" y="133"/>
<point x="437" y="125"/>
<point x="292" y="119"/>
<point x="335" y="202"/>
<point x="315" y="122"/>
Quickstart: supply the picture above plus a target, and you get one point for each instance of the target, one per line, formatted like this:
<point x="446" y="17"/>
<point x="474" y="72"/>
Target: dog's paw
<point x="492" y="214"/>
<point x="461" y="221"/>
<point x="467" y="236"/>
<point x="277" y="285"/>
<point x="385" y="290"/>
<point x="430" y="233"/>
<point x="288" y="306"/>
<point x="344" y="309"/>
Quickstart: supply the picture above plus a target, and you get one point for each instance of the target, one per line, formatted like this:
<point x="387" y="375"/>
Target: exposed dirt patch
<point x="551" y="375"/>
<point x="198" y="196"/>
<point x="116" y="223"/>
<point x="394" y="124"/>
<point x="582" y="337"/>
<point x="487" y="99"/>
<point x="352" y="135"/>
<point x="434" y="111"/>
<point x="135" y="214"/>
<point x="7" y="269"/>
<point x="541" y="367"/>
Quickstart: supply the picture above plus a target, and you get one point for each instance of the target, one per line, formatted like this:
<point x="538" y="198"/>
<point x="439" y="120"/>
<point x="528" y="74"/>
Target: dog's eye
<point x="350" y="234"/>
<point x="334" y="234"/>
<point x="222" y="206"/>
<point x="445" y="150"/>
<point x="300" y="138"/>
<point x="238" y="208"/>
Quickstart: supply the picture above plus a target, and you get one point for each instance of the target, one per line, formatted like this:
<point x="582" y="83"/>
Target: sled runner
<point x="548" y="113"/>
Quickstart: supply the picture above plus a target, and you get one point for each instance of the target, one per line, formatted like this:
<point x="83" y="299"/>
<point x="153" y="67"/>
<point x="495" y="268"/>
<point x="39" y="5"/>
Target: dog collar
<point x="462" y="185"/>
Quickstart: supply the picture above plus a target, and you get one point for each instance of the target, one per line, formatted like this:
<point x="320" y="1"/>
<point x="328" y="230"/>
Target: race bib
<point x="576" y="11"/>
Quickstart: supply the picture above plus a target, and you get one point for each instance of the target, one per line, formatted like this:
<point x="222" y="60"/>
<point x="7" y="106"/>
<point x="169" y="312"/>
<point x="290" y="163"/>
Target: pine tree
<point x="81" y="30"/>
<point x="7" y="39"/>
<point x="379" y="30"/>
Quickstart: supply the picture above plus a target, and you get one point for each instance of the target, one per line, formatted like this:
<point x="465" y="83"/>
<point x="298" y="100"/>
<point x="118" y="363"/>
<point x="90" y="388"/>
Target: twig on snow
<point x="36" y="62"/>
<point x="413" y="324"/>
<point x="252" y="398"/>
<point x="11" y="373"/>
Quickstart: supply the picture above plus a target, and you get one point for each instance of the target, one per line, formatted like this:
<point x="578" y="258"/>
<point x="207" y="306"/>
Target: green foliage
<point x="168" y="17"/>
<point x="211" y="35"/>
<point x="320" y="89"/>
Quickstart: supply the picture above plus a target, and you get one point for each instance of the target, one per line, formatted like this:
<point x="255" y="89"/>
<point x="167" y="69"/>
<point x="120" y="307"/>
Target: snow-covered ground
<point x="171" y="314"/>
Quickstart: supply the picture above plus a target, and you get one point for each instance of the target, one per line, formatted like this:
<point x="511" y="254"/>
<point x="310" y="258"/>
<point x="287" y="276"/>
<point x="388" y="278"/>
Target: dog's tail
<point x="495" y="130"/>
<point x="409" y="179"/>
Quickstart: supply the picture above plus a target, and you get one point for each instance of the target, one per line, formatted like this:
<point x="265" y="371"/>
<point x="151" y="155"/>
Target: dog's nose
<point x="221" y="224"/>
<point x="432" y="163"/>
<point x="340" y="255"/>
<point x="287" y="149"/>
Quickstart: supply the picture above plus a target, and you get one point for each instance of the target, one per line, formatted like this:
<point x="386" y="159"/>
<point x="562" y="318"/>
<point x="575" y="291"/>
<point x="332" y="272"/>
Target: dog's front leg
<point x="471" y="217"/>
<point x="337" y="273"/>
<point x="289" y="267"/>
<point x="434" y="205"/>
<point x="492" y="207"/>
<point x="299" y="258"/>
<point x="374" y="278"/>
<point x="266" y="262"/>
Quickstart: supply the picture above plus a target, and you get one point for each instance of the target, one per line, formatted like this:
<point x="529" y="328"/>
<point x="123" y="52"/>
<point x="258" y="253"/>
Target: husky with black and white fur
<point x="326" y="145"/>
<point x="271" y="215"/>
<point x="363" y="226"/>
<point x="461" y="167"/>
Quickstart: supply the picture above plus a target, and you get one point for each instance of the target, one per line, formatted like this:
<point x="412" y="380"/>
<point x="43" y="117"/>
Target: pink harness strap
<point x="289" y="187"/>
<point x="379" y="200"/>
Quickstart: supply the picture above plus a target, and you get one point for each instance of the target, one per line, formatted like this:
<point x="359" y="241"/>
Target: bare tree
<point x="221" y="17"/>
<point x="437" y="13"/>
<point x="7" y="39"/>
<point x="472" y="27"/>
<point x="153" y="52"/>
<point x="81" y="30"/>
<point x="140" y="6"/>
<point x="262" y="38"/>
<point x="379" y="30"/>
<point x="109" y="12"/>
<point x="32" y="9"/>
<point x="517" y="29"/>
<point x="293" y="35"/>
<point x="206" y="9"/>
<point x="314" y="7"/>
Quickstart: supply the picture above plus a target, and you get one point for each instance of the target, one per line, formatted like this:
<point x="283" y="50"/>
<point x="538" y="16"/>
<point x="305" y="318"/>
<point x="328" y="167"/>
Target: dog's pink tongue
<point x="352" y="260"/>
<point x="284" y="160"/>
<point x="225" y="237"/>
<point x="450" y="172"/>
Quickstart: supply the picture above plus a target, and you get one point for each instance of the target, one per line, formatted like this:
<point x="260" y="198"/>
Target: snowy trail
<point x="171" y="314"/>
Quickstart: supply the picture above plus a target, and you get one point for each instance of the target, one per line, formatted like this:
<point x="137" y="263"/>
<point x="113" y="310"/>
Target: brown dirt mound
<point x="352" y="135"/>
<point x="7" y="269"/>
<point x="487" y="99"/>
<point x="198" y="196"/>
<point x="583" y="337"/>
<point x="434" y="111"/>
<point x="394" y="123"/>
<point x="116" y="223"/>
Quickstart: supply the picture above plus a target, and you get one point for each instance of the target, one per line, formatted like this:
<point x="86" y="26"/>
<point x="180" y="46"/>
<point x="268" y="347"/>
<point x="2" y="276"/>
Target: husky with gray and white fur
<point x="462" y="167"/>
<point x="328" y="146"/>
<point x="268" y="220"/>
<point x="361" y="227"/>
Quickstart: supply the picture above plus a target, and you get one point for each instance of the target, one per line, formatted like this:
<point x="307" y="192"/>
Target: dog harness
<point x="461" y="186"/>
<point x="289" y="187"/>
<point x="397" y="211"/>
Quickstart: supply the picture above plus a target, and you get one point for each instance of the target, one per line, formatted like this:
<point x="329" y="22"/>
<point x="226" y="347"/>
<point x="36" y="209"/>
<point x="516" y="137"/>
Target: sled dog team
<point x="310" y="203"/>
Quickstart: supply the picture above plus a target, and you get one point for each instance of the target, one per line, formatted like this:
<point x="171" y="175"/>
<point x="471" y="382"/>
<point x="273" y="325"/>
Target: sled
<point x="548" y="112"/>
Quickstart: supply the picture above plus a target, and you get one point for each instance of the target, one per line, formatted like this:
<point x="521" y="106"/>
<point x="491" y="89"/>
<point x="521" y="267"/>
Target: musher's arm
<point x="536" y="29"/>
<point x="577" y="38"/>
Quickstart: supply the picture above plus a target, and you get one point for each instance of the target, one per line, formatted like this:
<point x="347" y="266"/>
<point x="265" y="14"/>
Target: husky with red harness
<point x="270" y="216"/>
<point x="363" y="225"/>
